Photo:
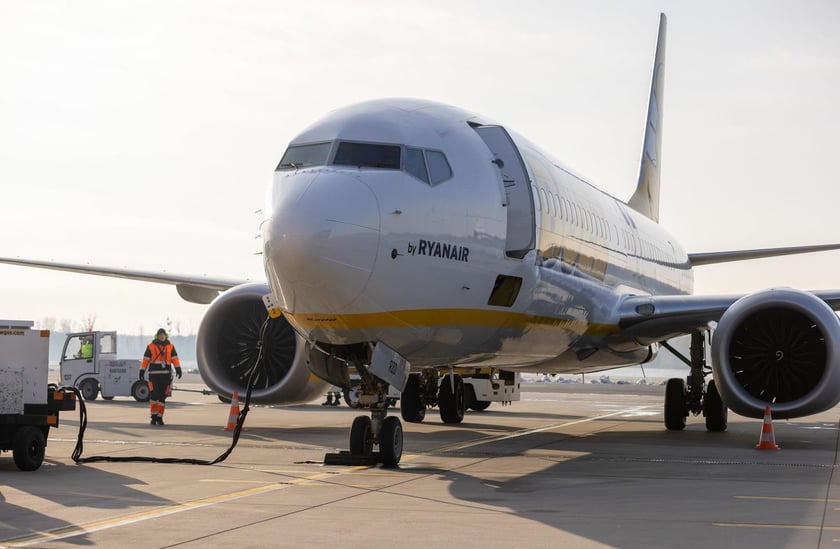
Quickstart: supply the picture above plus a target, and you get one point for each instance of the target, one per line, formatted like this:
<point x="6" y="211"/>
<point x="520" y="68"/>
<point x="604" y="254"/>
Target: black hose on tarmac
<point x="240" y="421"/>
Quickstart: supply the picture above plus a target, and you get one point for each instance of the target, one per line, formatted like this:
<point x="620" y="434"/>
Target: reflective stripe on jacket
<point x="160" y="352"/>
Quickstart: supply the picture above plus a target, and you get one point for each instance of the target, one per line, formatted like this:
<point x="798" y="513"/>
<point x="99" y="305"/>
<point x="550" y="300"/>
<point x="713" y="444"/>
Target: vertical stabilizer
<point x="646" y="198"/>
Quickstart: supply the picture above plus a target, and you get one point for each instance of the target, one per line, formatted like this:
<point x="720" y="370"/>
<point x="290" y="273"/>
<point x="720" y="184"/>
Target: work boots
<point x="329" y="401"/>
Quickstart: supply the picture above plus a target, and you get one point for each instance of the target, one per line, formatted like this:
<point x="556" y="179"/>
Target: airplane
<point x="417" y="245"/>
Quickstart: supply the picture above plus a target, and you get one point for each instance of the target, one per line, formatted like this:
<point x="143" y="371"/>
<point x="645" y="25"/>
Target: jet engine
<point x="227" y="349"/>
<point x="778" y="347"/>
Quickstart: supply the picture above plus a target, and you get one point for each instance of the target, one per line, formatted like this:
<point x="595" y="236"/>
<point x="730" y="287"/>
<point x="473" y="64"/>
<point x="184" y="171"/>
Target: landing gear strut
<point x="368" y="432"/>
<point x="693" y="395"/>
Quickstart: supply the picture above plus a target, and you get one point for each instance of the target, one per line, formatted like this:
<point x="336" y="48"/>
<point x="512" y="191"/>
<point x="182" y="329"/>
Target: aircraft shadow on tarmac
<point x="655" y="488"/>
<point x="624" y="487"/>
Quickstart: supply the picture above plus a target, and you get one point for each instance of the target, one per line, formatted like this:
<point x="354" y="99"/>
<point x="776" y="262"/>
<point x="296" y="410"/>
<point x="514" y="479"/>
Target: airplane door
<point x="521" y="224"/>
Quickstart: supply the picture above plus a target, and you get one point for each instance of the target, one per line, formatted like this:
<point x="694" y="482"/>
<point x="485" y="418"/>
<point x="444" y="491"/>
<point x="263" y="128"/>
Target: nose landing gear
<point x="376" y="430"/>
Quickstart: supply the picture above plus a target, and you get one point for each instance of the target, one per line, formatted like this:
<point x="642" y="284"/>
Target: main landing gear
<point x="422" y="390"/>
<point x="693" y="395"/>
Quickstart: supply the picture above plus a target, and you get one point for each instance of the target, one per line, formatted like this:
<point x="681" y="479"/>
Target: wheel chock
<point x="346" y="458"/>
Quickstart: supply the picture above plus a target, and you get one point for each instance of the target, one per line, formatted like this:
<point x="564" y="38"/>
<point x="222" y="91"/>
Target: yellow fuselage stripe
<point x="445" y="317"/>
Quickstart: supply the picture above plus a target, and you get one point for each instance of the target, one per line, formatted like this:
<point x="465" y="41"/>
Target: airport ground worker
<point x="333" y="397"/>
<point x="159" y="358"/>
<point x="87" y="347"/>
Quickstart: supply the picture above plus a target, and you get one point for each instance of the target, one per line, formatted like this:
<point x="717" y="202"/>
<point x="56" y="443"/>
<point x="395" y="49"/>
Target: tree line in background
<point x="128" y="346"/>
<point x="88" y="322"/>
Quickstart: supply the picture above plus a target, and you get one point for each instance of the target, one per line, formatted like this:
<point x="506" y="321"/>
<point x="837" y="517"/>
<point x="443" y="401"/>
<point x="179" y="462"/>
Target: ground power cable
<point x="240" y="421"/>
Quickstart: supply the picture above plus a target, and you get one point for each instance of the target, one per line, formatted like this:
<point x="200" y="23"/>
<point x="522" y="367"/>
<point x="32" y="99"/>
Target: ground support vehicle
<point x="89" y="362"/>
<point x="29" y="406"/>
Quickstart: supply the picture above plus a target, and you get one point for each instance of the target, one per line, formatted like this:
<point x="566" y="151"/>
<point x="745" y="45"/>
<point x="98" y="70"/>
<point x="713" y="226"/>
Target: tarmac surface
<point x="568" y="466"/>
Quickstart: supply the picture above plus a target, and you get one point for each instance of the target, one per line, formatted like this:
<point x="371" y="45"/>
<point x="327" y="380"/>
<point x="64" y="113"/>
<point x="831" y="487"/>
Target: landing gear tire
<point x="351" y="396"/>
<point x="140" y="391"/>
<point x="452" y="405"/>
<point x="675" y="408"/>
<point x="28" y="447"/>
<point x="412" y="407"/>
<point x="391" y="442"/>
<point x="361" y="436"/>
<point x="89" y="389"/>
<point x="714" y="409"/>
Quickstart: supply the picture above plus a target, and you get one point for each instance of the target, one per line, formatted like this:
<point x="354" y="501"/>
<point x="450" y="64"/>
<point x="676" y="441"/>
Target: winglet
<point x="646" y="198"/>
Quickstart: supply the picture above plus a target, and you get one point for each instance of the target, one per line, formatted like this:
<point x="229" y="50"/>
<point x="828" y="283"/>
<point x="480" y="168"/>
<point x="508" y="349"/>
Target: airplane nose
<point x="321" y="241"/>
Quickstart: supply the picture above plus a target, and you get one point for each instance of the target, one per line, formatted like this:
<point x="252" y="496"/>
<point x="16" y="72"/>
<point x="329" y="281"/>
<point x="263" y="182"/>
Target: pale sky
<point x="144" y="134"/>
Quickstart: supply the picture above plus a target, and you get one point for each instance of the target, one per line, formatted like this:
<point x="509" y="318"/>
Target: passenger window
<point x="439" y="169"/>
<point x="415" y="164"/>
<point x="301" y="156"/>
<point x="368" y="155"/>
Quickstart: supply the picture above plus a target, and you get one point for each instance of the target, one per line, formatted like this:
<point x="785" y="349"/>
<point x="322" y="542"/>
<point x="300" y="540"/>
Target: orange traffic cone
<point x="234" y="412"/>
<point x="767" y="441"/>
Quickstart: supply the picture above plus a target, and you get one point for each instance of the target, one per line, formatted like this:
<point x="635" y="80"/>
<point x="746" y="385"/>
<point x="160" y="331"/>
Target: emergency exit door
<point x="521" y="225"/>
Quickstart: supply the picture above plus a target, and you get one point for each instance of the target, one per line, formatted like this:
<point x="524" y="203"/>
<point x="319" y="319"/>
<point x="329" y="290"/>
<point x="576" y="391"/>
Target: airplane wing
<point x="649" y="319"/>
<point x="708" y="258"/>
<point x="195" y="289"/>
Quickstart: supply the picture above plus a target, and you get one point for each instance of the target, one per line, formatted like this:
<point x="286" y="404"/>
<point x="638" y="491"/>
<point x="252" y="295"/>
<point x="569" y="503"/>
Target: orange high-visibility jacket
<point x="160" y="352"/>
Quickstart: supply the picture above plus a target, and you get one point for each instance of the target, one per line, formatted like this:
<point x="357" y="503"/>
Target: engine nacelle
<point x="778" y="347"/>
<point x="226" y="350"/>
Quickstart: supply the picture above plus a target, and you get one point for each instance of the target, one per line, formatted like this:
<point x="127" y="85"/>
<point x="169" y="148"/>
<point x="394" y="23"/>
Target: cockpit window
<point x="439" y="169"/>
<point x="430" y="167"/>
<point x="368" y="155"/>
<point x="301" y="156"/>
<point x="415" y="164"/>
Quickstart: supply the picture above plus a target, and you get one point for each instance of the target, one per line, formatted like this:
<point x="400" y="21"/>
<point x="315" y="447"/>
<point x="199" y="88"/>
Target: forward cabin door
<point x="521" y="224"/>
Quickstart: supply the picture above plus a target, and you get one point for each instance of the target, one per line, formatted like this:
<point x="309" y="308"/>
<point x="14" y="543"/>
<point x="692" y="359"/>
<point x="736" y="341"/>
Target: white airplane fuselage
<point x="376" y="254"/>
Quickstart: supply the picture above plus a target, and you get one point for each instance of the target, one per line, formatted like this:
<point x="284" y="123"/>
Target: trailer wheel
<point x="28" y="448"/>
<point x="140" y="391"/>
<point x="89" y="389"/>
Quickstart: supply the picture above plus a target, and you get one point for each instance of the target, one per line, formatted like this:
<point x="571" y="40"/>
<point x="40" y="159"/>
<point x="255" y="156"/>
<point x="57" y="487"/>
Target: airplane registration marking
<point x="90" y="527"/>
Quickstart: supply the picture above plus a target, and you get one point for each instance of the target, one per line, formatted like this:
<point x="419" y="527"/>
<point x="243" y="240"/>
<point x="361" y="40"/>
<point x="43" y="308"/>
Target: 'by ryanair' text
<point x="439" y="249"/>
